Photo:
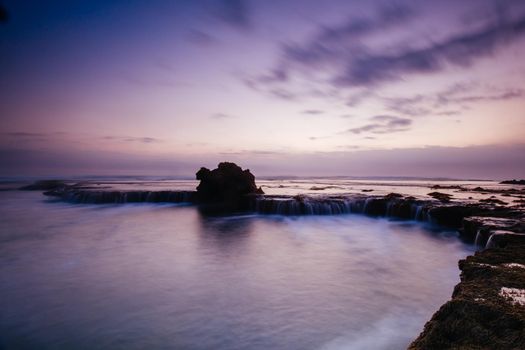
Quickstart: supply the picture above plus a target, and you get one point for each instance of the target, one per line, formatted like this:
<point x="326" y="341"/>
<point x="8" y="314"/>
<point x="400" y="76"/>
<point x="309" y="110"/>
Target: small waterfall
<point x="389" y="206"/>
<point x="302" y="206"/>
<point x="477" y="241"/>
<point x="408" y="209"/>
<point x="429" y="217"/>
<point x="419" y="209"/>
<point x="376" y="206"/>
<point x="367" y="204"/>
<point x="489" y="242"/>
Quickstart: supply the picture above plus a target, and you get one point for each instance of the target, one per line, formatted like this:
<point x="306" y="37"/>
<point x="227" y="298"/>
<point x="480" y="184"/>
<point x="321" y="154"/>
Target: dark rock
<point x="487" y="310"/>
<point x="513" y="182"/>
<point x="493" y="201"/>
<point x="375" y="206"/>
<point x="452" y="216"/>
<point x="226" y="188"/>
<point x="479" y="229"/>
<point x="448" y="187"/>
<point x="442" y="197"/>
<point x="45" y="185"/>
<point x="393" y="195"/>
<point x="501" y="239"/>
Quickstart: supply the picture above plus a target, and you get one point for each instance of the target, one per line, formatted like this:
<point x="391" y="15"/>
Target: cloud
<point x="410" y="106"/>
<point x="283" y="94"/>
<point x="33" y="136"/>
<point x="462" y="50"/>
<point x="332" y="44"/>
<point x="382" y="124"/>
<point x="142" y="139"/>
<point x="235" y="13"/>
<point x="348" y="57"/>
<point x="447" y="113"/>
<point x="312" y="112"/>
<point x="26" y="134"/>
<point x="131" y="139"/>
<point x="256" y="152"/>
<point x="221" y="116"/>
<point x="448" y="101"/>
<point x="456" y="95"/>
<point x="315" y="138"/>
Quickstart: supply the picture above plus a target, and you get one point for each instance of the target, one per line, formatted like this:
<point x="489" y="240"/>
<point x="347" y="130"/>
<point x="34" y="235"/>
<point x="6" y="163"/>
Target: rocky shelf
<point x="487" y="309"/>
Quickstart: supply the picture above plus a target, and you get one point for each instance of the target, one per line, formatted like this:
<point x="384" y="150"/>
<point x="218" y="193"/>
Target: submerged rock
<point x="487" y="310"/>
<point x="45" y="185"/>
<point x="226" y="188"/>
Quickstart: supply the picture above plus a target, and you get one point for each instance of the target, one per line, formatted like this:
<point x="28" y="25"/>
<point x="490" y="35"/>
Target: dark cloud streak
<point x="131" y="139"/>
<point x="460" y="50"/>
<point x="383" y="124"/>
<point x="312" y="112"/>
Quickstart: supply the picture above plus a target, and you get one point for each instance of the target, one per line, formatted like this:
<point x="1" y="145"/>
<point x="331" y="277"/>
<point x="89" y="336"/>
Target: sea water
<point x="150" y="276"/>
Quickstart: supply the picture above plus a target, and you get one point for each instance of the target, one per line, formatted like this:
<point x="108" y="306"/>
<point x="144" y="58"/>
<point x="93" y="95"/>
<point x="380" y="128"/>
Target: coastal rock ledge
<point x="487" y="309"/>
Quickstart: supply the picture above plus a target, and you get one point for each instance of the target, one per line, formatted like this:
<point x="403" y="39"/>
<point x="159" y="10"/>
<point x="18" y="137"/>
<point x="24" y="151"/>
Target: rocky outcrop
<point x="480" y="229"/>
<point x="45" y="185"/>
<point x="226" y="188"/>
<point x="513" y="182"/>
<point x="487" y="310"/>
<point x="442" y="197"/>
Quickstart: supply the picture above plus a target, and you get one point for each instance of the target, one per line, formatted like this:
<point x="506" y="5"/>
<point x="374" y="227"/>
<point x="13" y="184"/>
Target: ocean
<point x="165" y="276"/>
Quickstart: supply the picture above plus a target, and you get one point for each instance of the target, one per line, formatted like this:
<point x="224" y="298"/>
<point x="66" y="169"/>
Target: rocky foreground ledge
<point x="487" y="310"/>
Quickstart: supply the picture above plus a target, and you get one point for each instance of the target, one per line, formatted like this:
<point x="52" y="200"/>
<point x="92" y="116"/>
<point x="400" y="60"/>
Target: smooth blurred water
<point x="165" y="277"/>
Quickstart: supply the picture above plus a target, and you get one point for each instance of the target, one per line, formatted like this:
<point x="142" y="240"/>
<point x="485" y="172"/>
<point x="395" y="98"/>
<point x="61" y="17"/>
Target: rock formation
<point x="513" y="182"/>
<point x="45" y="185"/>
<point x="487" y="310"/>
<point x="226" y="188"/>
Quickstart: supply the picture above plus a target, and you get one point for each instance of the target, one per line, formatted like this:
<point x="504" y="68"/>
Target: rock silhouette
<point x="45" y="185"/>
<point x="226" y="188"/>
<point x="513" y="182"/>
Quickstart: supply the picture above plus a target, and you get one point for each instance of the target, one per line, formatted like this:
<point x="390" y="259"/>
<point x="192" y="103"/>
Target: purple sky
<point x="379" y="88"/>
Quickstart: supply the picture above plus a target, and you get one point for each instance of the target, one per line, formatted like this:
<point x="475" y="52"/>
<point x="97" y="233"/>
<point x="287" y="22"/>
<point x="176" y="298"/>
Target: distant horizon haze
<point x="482" y="162"/>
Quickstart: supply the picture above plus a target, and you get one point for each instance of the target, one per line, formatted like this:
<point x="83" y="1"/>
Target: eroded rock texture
<point x="487" y="310"/>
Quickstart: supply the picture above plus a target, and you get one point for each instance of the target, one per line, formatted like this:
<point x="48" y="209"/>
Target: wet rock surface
<point x="487" y="309"/>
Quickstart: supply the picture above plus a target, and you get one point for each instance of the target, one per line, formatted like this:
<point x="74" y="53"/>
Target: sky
<point x="298" y="87"/>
